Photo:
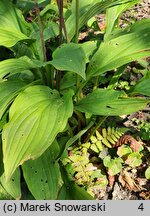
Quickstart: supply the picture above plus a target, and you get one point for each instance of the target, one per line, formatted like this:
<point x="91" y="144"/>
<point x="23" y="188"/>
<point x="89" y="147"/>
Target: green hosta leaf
<point x="73" y="192"/>
<point x="10" y="38"/>
<point x="147" y="173"/>
<point x="114" y="165"/>
<point x="51" y="31"/>
<point x="89" y="48"/>
<point x="12" y="66"/>
<point x="134" y="159"/>
<point x="4" y="195"/>
<point x="110" y="102"/>
<point x="37" y="115"/>
<point x="12" y="186"/>
<point x="70" y="57"/>
<point x="113" y="14"/>
<point x="3" y="120"/>
<point x="124" y="150"/>
<point x="11" y="17"/>
<point x="68" y="80"/>
<point x="22" y="49"/>
<point x="13" y="27"/>
<point x="27" y="5"/>
<point x="124" y="48"/>
<point x="43" y="173"/>
<point x="8" y="91"/>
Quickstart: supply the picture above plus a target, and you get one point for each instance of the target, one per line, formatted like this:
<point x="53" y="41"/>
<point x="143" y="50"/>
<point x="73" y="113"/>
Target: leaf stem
<point x="80" y="117"/>
<point x="77" y="22"/>
<point x="41" y="29"/>
<point x="96" y="82"/>
<point x="61" y="24"/>
<point x="76" y="41"/>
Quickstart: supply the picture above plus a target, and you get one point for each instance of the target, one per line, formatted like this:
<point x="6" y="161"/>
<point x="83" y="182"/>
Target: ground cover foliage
<point x="74" y="100"/>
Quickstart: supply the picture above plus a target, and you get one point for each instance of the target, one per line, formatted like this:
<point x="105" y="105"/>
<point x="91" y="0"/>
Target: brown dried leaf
<point x="128" y="139"/>
<point x="111" y="180"/>
<point x="145" y="195"/>
<point x="128" y="181"/>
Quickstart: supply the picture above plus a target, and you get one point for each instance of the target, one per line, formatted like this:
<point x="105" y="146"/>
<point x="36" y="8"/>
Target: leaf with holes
<point x="37" y="115"/>
<point x="43" y="173"/>
<point x="73" y="192"/>
<point x="130" y="45"/>
<point x="12" y="186"/>
<point x="110" y="102"/>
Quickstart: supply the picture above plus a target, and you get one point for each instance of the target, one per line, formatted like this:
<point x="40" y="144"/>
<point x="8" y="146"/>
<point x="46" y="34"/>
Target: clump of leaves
<point x="85" y="169"/>
<point x="107" y="154"/>
<point x="42" y="82"/>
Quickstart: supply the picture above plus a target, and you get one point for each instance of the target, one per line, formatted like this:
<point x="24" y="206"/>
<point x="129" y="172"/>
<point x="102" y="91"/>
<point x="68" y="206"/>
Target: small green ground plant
<point x="96" y="163"/>
<point x="45" y="103"/>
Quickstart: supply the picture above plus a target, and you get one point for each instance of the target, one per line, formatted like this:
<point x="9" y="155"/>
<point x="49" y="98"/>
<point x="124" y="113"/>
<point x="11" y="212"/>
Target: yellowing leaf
<point x="134" y="159"/>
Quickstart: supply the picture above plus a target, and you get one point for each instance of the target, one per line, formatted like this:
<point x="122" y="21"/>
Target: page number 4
<point x="141" y="207"/>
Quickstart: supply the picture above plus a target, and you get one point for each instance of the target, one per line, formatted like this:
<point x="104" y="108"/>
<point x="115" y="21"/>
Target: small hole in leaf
<point x="109" y="107"/>
<point x="13" y="180"/>
<point x="35" y="171"/>
<point x="31" y="167"/>
<point x="41" y="180"/>
<point x="117" y="44"/>
<point x="22" y="135"/>
<point x="46" y="181"/>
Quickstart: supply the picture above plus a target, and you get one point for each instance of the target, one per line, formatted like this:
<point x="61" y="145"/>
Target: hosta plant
<point x="45" y="105"/>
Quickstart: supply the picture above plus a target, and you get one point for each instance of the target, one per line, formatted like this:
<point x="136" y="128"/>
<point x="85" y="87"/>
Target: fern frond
<point x="109" y="136"/>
